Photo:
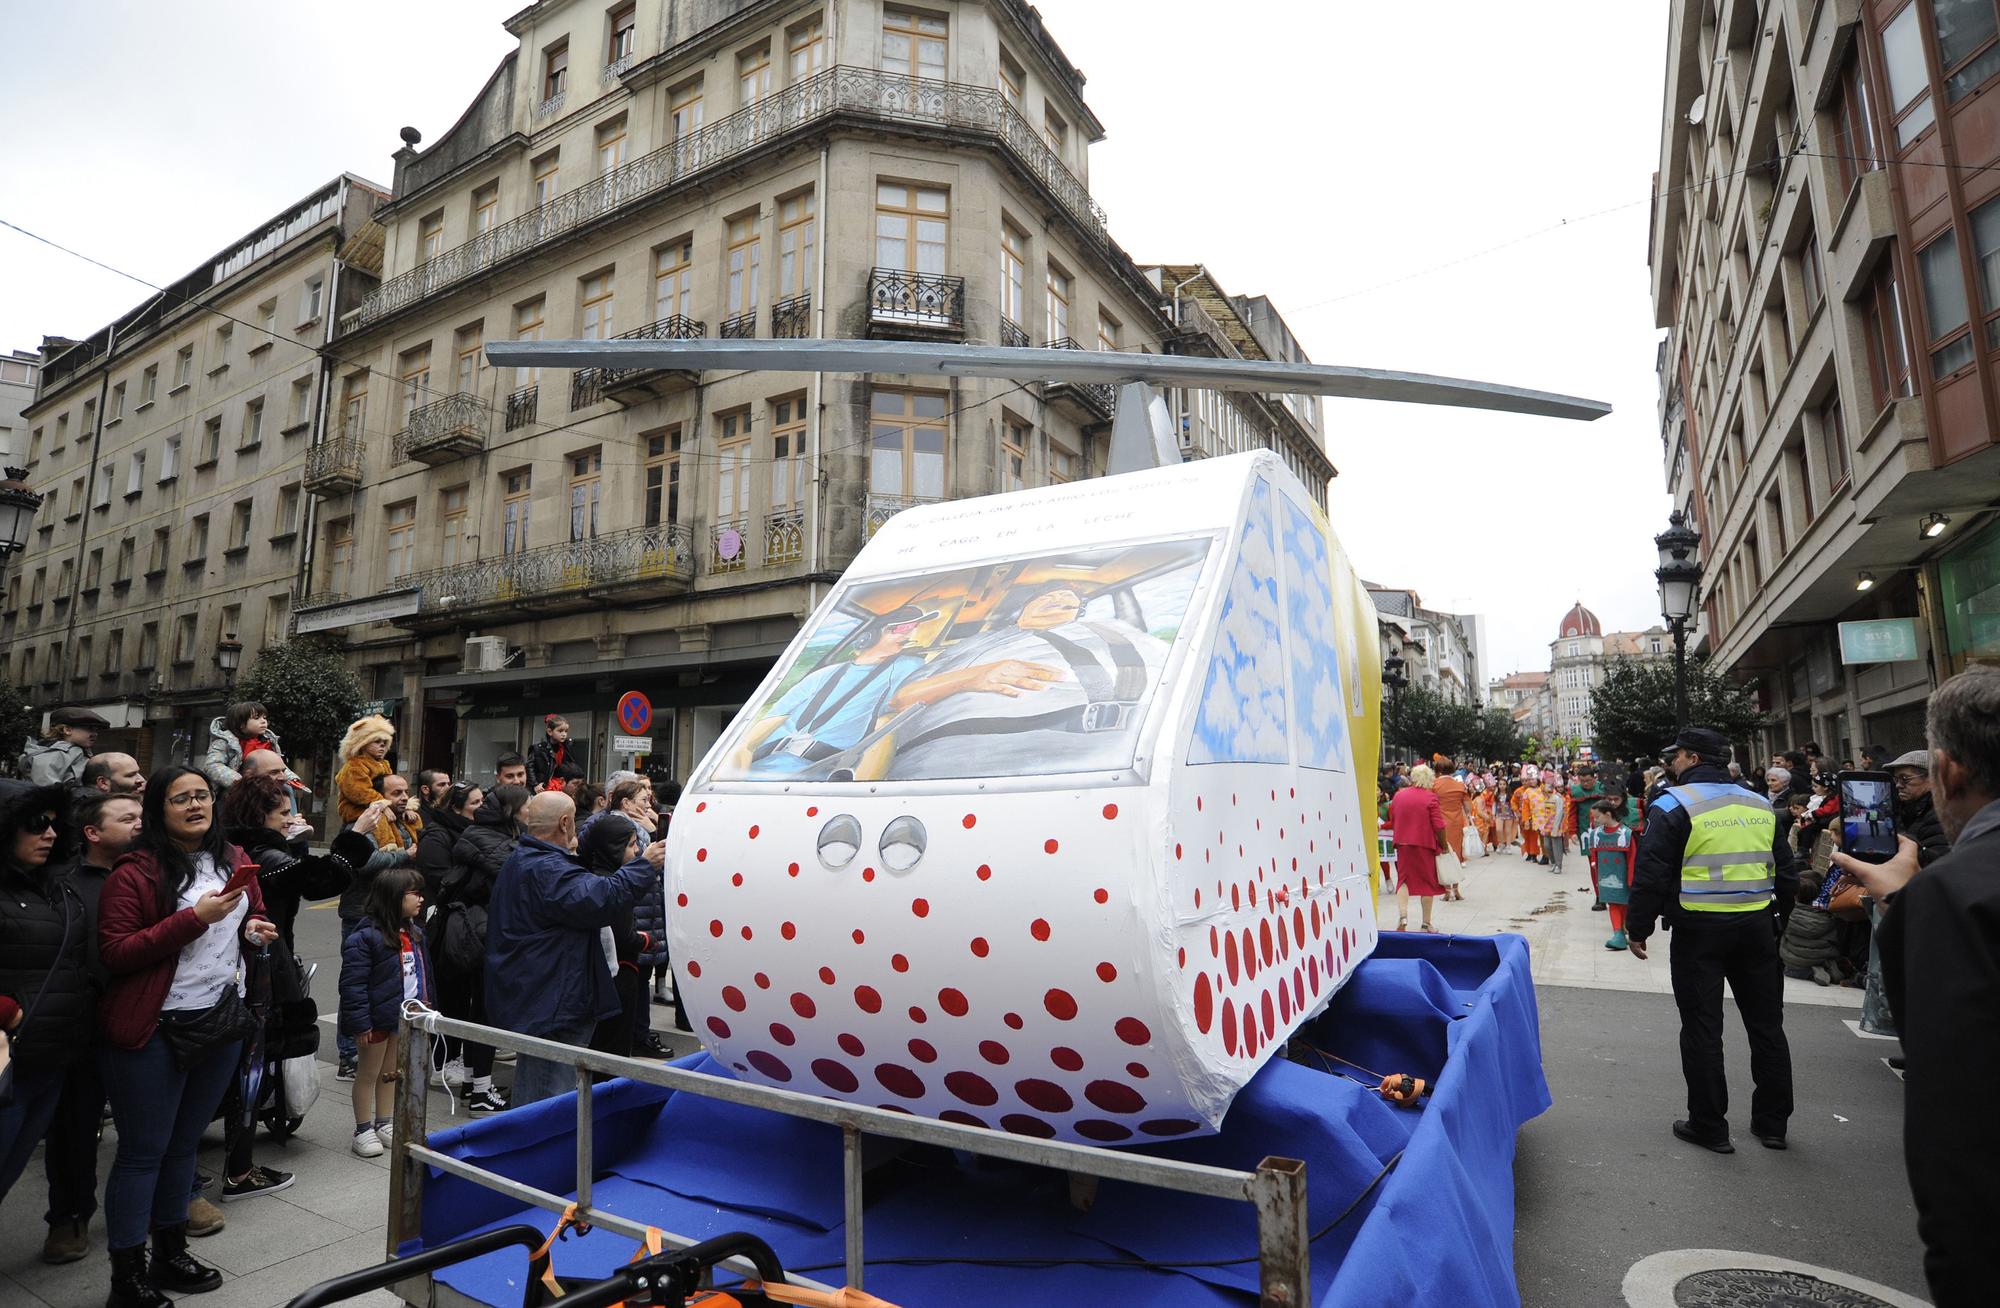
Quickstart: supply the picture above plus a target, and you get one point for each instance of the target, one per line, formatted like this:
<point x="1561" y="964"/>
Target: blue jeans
<point x="24" y="1122"/>
<point x="343" y="1042"/>
<point x="537" y="1078"/>
<point x="161" y="1112"/>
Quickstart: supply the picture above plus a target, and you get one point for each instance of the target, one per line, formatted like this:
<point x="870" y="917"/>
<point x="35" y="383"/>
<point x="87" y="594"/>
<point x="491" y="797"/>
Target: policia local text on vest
<point x="1713" y="866"/>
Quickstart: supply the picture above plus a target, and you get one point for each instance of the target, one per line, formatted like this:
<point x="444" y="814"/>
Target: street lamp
<point x="17" y="512"/>
<point x="228" y="657"/>
<point x="1679" y="576"/>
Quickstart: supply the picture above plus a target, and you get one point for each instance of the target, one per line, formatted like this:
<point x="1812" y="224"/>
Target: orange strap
<point x="844" y="1297"/>
<point x="541" y="1265"/>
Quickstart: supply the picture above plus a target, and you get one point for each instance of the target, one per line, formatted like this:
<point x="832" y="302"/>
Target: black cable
<point x="1141" y="1263"/>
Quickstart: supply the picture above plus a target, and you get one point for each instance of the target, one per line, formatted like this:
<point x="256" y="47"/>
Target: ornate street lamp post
<point x="1679" y="575"/>
<point x="18" y="505"/>
<point x="228" y="657"/>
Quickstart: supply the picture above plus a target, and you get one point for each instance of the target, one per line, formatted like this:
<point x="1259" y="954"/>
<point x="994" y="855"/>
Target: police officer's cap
<point x="1709" y="746"/>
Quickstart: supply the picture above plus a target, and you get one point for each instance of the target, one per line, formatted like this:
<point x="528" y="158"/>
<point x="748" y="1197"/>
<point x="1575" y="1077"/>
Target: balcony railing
<point x="784" y="537"/>
<point x="521" y="407"/>
<point x="586" y="387"/>
<point x="617" y="383"/>
<point x="333" y="467"/>
<point x="862" y="93"/>
<point x="552" y="106"/>
<point x="1013" y="335"/>
<point x="792" y="319"/>
<point x="1094" y="401"/>
<point x="445" y="429"/>
<point x="742" y="327"/>
<point x="615" y="69"/>
<point x="661" y="555"/>
<point x="924" y="302"/>
<point x="881" y="508"/>
<point x="729" y="545"/>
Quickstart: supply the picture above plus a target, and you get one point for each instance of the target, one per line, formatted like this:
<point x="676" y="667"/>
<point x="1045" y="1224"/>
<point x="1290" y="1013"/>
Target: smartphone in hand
<point x="1868" y="816"/>
<point x="241" y="879"/>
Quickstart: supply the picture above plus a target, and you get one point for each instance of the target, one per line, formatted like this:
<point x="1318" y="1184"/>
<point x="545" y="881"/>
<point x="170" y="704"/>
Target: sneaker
<point x="453" y="1074"/>
<point x="485" y="1101"/>
<point x="346" y="1070"/>
<point x="366" y="1143"/>
<point x="385" y="1131"/>
<point x="68" y="1242"/>
<point x="204" y="1218"/>
<point x="503" y="1055"/>
<point x="260" y="1180"/>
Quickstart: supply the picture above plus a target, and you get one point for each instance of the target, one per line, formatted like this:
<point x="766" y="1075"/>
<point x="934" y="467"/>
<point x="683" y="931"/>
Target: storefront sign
<point x="631" y="744"/>
<point x="1885" y="640"/>
<point x="358" y="613"/>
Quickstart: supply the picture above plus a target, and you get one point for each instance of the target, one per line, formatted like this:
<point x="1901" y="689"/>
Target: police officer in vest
<point x="1713" y="865"/>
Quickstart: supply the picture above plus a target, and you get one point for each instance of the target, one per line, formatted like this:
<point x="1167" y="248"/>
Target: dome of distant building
<point x="1580" y="621"/>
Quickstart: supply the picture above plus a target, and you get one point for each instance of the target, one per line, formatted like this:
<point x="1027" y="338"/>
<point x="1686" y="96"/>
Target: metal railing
<point x="1277" y="1188"/>
<point x="784" y="536"/>
<point x="444" y="429"/>
<point x="333" y="467"/>
<point x="637" y="555"/>
<point x="881" y="508"/>
<point x="616" y="68"/>
<point x="845" y="90"/>
<point x="729" y="545"/>
<point x="739" y="328"/>
<point x="674" y="327"/>
<point x="897" y="296"/>
<point x="1013" y="335"/>
<point x="792" y="319"/>
<point x="586" y="387"/>
<point x="521" y="407"/>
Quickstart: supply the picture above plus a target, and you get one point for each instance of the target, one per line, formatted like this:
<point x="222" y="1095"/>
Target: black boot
<point x="174" y="1268"/>
<point x="130" y="1287"/>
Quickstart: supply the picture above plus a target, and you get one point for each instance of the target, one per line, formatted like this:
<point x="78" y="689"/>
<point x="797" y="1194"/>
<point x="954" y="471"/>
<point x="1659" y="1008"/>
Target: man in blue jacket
<point x="546" y="969"/>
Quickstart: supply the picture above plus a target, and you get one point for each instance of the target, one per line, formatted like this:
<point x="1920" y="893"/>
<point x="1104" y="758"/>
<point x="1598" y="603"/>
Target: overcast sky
<point x="1305" y="150"/>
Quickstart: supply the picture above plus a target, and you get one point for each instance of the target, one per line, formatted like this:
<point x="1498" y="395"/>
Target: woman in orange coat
<point x="1454" y="802"/>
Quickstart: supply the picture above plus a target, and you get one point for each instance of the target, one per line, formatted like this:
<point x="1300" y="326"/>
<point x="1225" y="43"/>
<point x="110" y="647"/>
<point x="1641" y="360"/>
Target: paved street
<point x="1601" y="1183"/>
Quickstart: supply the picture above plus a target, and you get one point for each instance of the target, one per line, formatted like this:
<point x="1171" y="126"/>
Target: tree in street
<point x="309" y="692"/>
<point x="18" y="721"/>
<point x="1632" y="713"/>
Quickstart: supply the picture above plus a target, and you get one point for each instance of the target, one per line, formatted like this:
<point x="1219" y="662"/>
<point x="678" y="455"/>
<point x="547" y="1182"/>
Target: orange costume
<point x="1452" y="799"/>
<point x="1530" y="807"/>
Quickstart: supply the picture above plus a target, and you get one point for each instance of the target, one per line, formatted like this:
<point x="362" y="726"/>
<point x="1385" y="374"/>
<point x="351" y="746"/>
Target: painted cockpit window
<point x="1022" y="667"/>
<point x="1319" y="724"/>
<point x="1243" y="717"/>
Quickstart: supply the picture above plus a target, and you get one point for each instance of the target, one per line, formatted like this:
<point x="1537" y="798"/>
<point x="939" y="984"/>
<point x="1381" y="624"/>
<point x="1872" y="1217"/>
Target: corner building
<point x="495" y="544"/>
<point x="1825" y="257"/>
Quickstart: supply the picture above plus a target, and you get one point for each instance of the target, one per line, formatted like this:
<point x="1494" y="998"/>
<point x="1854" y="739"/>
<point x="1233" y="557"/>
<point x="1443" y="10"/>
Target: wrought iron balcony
<point x="913" y="303"/>
<point x="881" y="508"/>
<point x="333" y="467"/>
<point x="792" y="319"/>
<point x="586" y="387"/>
<point x="1087" y="402"/>
<point x="784" y="537"/>
<point x="615" y="69"/>
<point x="629" y="386"/>
<point x="445" y="429"/>
<point x="864" y="94"/>
<point x="552" y="106"/>
<point x="637" y="562"/>
<point x="521" y="407"/>
<point x="742" y="327"/>
<point x="729" y="545"/>
<point x="1013" y="335"/>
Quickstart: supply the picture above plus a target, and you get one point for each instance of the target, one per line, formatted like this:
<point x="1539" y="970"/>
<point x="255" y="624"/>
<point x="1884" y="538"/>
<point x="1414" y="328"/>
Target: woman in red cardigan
<point x="1418" y="824"/>
<point x="174" y="939"/>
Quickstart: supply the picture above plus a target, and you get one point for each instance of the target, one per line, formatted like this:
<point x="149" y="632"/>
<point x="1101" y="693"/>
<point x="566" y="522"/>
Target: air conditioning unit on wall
<point x="485" y="654"/>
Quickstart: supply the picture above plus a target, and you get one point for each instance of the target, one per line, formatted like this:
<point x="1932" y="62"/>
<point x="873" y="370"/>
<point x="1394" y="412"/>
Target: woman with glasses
<point x="46" y="1001"/>
<point x="176" y="923"/>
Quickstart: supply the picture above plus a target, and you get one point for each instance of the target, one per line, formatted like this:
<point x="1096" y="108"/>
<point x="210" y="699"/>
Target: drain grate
<point x="1743" y="1287"/>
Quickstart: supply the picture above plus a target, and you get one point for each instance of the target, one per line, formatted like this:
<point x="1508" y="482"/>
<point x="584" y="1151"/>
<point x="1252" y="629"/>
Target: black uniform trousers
<point x="1744" y="953"/>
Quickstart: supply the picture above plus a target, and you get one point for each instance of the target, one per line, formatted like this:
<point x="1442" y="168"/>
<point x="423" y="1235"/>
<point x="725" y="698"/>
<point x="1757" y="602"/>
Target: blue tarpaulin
<point x="1438" y="1228"/>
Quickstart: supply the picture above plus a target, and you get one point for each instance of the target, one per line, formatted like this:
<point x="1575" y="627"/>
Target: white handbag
<point x="1474" y="846"/>
<point x="300" y="1077"/>
<point x="1450" y="867"/>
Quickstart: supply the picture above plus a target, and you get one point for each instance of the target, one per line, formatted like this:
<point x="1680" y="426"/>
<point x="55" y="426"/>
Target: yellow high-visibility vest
<point x="1727" y="866"/>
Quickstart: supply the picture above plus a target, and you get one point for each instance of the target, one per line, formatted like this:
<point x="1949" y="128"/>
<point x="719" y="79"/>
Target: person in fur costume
<point x="364" y="756"/>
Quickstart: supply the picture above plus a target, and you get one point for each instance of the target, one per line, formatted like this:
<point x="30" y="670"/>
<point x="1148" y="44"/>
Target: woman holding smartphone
<point x="176" y="919"/>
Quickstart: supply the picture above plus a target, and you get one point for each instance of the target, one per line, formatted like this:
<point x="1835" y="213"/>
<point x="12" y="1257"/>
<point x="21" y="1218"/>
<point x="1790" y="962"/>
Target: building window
<point x="914" y="44"/>
<point x="430" y="236"/>
<point x="1061" y="289"/>
<point x="528" y="326"/>
<point x="1888" y="337"/>
<point x="673" y="279"/>
<point x="1013" y="274"/>
<point x="298" y="410"/>
<point x="805" y="48"/>
<point x="105" y="472"/>
<point x="684" y="116"/>
<point x="469" y="345"/>
<point x="400" y="535"/>
<point x="1810" y="274"/>
<point x="1833" y="444"/>
<point x="309" y="299"/>
<point x="413" y="369"/>
<point x="1015" y="437"/>
<point x="267" y="324"/>
<point x="1064" y="466"/>
<point x="117" y="408"/>
<point x="156" y="560"/>
<point x="548" y="177"/>
<point x="611" y="145"/>
<point x="183" y="373"/>
<point x="198" y="538"/>
<point x="1944" y="302"/>
<point x="742" y="267"/>
<point x="287" y="520"/>
<point x="753" y="76"/>
<point x="37" y="587"/>
<point x="1986" y="255"/>
<point x="353" y="404"/>
<point x="1909" y="80"/>
<point x="586" y="485"/>
<point x="788" y="455"/>
<point x="149" y="383"/>
<point x="184" y="638"/>
<point x="277" y="619"/>
<point x="114" y="652"/>
<point x="339" y="556"/>
<point x="594" y="306"/>
<point x="663" y="477"/>
<point x="149" y="647"/>
<point x="122" y="569"/>
<point x="912" y="227"/>
<point x="253" y="425"/>
<point x="1108" y="329"/>
<point x="1054" y="130"/>
<point x="555" y="70"/>
<point x="732" y="468"/>
<point x="1012" y="79"/>
<point x="624" y="27"/>
<point x="797" y="222"/>
<point x="239" y="525"/>
<point x="907" y="435"/>
<point x="515" y="487"/>
<point x="485" y="209"/>
<point x="1966" y="45"/>
<point x="224" y="334"/>
<point x="452" y="516"/>
<point x="135" y="474"/>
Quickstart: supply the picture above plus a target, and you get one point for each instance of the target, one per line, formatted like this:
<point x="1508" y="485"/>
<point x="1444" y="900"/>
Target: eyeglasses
<point x="38" y="824"/>
<point x="189" y="798"/>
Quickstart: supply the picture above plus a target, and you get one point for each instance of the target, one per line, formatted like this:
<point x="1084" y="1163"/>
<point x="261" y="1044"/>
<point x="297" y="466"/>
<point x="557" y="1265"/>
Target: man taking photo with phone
<point x="1713" y="865"/>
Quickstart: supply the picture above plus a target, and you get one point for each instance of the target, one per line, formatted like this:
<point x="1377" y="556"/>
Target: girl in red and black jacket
<point x="173" y="943"/>
<point x="547" y="755"/>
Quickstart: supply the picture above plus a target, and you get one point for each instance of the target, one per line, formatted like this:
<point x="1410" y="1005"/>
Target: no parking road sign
<point x="635" y="712"/>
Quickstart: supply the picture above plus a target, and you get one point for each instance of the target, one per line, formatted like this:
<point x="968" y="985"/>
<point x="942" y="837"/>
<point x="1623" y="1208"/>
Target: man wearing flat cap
<point x="1916" y="812"/>
<point x="59" y="757"/>
<point x="1714" y="866"/>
